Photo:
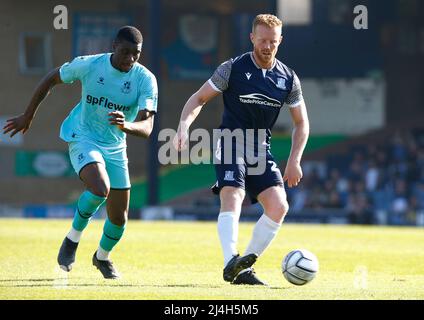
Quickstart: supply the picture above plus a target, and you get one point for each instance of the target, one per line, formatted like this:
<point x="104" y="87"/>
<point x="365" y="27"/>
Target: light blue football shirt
<point x="105" y="89"/>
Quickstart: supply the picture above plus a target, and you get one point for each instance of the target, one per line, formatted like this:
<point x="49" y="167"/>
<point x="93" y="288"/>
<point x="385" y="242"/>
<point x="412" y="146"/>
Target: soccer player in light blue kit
<point x="115" y="90"/>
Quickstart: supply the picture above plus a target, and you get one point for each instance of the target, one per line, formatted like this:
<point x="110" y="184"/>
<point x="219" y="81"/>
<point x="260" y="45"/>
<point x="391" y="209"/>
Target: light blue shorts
<point x="115" y="160"/>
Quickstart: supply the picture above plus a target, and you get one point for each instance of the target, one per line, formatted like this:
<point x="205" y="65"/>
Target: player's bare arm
<point x="142" y="128"/>
<point x="23" y="121"/>
<point x="190" y="112"/>
<point x="293" y="172"/>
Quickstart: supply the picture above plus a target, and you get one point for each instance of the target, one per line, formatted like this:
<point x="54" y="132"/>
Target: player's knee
<point x="284" y="208"/>
<point x="101" y="190"/>
<point x="231" y="200"/>
<point x="278" y="212"/>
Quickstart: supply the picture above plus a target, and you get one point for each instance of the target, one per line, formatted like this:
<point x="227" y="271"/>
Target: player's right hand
<point x="17" y="124"/>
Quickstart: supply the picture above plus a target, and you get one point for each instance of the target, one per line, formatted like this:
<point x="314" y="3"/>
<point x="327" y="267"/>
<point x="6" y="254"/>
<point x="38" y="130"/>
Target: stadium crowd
<point x="373" y="183"/>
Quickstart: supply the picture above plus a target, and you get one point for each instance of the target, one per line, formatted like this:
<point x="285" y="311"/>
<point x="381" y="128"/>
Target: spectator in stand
<point x="398" y="150"/>
<point x="382" y="159"/>
<point x="334" y="200"/>
<point x="356" y="169"/>
<point x="299" y="198"/>
<point x="418" y="194"/>
<point x="413" y="211"/>
<point x="399" y="203"/>
<point x="359" y="209"/>
<point x="371" y="176"/>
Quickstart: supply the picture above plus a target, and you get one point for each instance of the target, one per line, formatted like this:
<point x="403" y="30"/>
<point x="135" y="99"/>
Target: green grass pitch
<point x="182" y="260"/>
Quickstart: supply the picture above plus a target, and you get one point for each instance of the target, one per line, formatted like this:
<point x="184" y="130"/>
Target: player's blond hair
<point x="268" y="20"/>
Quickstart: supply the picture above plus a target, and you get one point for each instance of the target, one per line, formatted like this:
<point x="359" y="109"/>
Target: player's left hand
<point x="181" y="138"/>
<point x="117" y="118"/>
<point x="293" y="173"/>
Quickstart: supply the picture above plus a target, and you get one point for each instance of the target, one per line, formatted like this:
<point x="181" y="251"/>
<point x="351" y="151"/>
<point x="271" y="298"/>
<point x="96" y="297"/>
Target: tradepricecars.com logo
<point x="261" y="99"/>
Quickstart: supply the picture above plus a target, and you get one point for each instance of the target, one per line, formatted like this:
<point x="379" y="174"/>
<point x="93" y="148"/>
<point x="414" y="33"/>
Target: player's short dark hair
<point x="130" y="34"/>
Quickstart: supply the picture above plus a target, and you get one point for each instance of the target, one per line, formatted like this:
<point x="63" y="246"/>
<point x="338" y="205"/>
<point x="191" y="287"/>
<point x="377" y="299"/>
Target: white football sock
<point x="74" y="235"/>
<point x="228" y="234"/>
<point x="264" y="232"/>
<point x="102" y="254"/>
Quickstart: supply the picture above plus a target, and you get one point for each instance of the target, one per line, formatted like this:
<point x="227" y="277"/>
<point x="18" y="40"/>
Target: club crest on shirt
<point x="281" y="83"/>
<point x="126" y="88"/>
<point x="229" y="176"/>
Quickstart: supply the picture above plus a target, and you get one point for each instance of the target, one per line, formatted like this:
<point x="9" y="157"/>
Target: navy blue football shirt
<point x="253" y="97"/>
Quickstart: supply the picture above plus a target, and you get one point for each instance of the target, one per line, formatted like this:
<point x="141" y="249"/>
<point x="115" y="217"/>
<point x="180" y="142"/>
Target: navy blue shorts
<point x="237" y="175"/>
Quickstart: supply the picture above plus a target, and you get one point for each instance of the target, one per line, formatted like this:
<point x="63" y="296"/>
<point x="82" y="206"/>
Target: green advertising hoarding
<point x="49" y="164"/>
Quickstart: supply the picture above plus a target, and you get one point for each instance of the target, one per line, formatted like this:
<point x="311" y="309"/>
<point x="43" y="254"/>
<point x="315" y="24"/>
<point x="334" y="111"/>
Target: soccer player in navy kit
<point x="255" y="86"/>
<point x="116" y="89"/>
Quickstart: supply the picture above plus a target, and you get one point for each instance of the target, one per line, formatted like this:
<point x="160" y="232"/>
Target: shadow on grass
<point x="55" y="282"/>
<point x="33" y="280"/>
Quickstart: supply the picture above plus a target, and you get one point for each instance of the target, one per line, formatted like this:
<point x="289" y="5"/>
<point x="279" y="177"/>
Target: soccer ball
<point x="300" y="266"/>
